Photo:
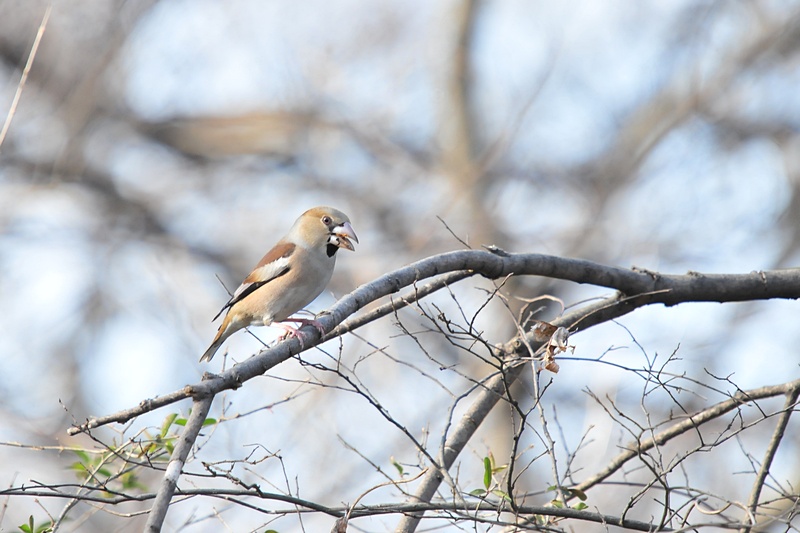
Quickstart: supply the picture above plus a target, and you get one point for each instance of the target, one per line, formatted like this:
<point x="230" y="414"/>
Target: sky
<point x="613" y="131"/>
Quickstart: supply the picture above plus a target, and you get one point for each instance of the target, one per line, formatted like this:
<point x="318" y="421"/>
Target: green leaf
<point x="78" y="467"/>
<point x="209" y="422"/>
<point x="557" y="503"/>
<point x="130" y="481"/>
<point x="84" y="457"/>
<point x="29" y="527"/>
<point x="397" y="466"/>
<point x="551" y="488"/>
<point x="480" y="493"/>
<point x="180" y="422"/>
<point x="496" y="468"/>
<point x="580" y="506"/>
<point x="501" y="494"/>
<point x="487" y="472"/>
<point x="167" y="424"/>
<point x="271" y="531"/>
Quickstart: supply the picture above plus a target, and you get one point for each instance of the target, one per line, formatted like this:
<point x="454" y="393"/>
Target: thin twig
<point x="24" y="78"/>
<point x="356" y="512"/>
<point x="634" y="449"/>
<point x="769" y="454"/>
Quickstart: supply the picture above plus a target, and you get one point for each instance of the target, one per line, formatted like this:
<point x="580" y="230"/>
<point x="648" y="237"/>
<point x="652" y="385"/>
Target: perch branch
<point x="641" y="288"/>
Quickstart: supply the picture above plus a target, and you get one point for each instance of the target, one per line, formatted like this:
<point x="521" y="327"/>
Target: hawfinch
<point x="288" y="277"/>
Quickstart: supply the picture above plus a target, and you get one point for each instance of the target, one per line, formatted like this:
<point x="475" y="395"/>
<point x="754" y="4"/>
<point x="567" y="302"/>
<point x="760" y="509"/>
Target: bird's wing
<point x="273" y="265"/>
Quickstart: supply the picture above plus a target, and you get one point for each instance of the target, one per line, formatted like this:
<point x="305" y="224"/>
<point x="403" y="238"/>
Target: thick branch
<point x="179" y="455"/>
<point x="641" y="287"/>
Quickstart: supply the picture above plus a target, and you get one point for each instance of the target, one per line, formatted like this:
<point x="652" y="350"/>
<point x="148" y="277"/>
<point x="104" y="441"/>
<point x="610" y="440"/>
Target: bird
<point x="289" y="276"/>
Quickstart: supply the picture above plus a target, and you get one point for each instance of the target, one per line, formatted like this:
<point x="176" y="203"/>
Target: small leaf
<point x="167" y="424"/>
<point x="78" y="467"/>
<point x="551" y="488"/>
<point x="46" y="527"/>
<point x="397" y="466"/>
<point x="542" y="331"/>
<point x="209" y="422"/>
<point x="502" y="495"/>
<point x="480" y="493"/>
<point x="83" y="455"/>
<point x="487" y="472"/>
<point x="580" y="506"/>
<point x="28" y="528"/>
<point x="557" y="503"/>
<point x="180" y="422"/>
<point x="271" y="531"/>
<point x="146" y="450"/>
<point x="130" y="481"/>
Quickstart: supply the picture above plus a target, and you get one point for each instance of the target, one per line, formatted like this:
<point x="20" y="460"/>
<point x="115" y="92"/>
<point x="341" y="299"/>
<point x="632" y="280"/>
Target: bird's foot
<point x="307" y="322"/>
<point x="290" y="332"/>
<point x="295" y="331"/>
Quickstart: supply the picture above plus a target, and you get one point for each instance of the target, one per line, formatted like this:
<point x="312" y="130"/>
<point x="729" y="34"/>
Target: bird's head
<point x="326" y="226"/>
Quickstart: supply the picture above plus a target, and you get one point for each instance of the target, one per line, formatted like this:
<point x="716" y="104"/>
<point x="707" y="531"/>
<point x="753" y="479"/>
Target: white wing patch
<point x="264" y="274"/>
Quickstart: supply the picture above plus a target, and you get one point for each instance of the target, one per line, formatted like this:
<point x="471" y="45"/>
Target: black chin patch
<point x="332" y="249"/>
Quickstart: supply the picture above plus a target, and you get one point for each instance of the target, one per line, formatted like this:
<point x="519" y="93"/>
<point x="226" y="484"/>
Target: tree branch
<point x="468" y="508"/>
<point x="777" y="436"/>
<point x="179" y="455"/>
<point x="635" y="449"/>
<point x="642" y="288"/>
<point x="493" y="391"/>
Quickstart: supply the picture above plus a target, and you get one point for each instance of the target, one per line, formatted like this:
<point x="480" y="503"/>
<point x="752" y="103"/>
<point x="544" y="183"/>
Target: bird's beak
<point x="342" y="235"/>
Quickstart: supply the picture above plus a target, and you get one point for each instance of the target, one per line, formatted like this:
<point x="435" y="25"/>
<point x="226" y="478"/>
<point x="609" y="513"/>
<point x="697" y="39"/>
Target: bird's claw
<point x="292" y="332"/>
<point x="295" y="332"/>
<point x="308" y="322"/>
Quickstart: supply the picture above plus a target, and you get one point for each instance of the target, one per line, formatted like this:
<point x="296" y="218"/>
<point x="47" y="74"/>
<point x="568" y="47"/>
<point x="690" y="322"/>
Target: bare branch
<point x="468" y="509"/>
<point x="24" y="78"/>
<point x="634" y="449"/>
<point x="642" y="288"/>
<point x="777" y="436"/>
<point x="179" y="455"/>
<point x="494" y="390"/>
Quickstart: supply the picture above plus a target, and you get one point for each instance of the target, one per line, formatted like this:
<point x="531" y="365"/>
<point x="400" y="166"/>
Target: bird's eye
<point x="326" y="220"/>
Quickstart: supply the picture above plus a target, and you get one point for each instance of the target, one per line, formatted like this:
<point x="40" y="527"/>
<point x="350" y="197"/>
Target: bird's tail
<point x="225" y="331"/>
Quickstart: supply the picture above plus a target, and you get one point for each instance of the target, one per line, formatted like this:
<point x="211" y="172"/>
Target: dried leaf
<point x="542" y="331"/>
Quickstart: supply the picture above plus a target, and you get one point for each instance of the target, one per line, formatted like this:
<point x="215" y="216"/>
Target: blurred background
<point x="159" y="148"/>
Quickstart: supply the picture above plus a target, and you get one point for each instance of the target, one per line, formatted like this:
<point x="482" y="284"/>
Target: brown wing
<point x="273" y="265"/>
